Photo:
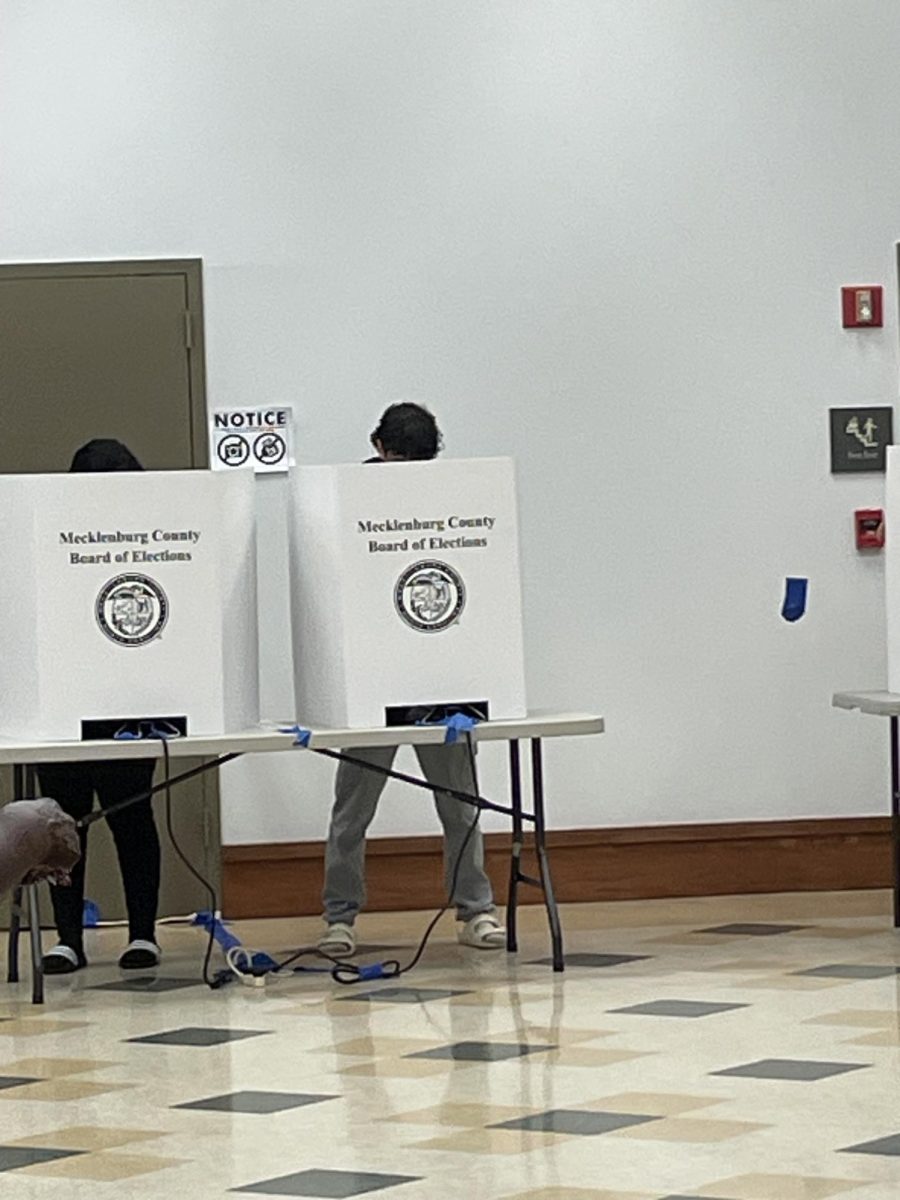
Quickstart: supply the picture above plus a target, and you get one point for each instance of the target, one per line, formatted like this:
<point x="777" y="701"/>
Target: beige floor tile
<point x="863" y="1018"/>
<point x="689" y="1129"/>
<point x="88" y="1137"/>
<point x="334" y="1009"/>
<point x="652" y="1104"/>
<point x="851" y="932"/>
<point x="381" y="1047"/>
<point x="587" y="1056"/>
<point x="796" y="983"/>
<point x="492" y="1141"/>
<point x="55" y="1068"/>
<point x="779" y="1187"/>
<point x="736" y="966"/>
<point x="474" y="1116"/>
<point x="102" y="1168"/>
<point x="884" y="1037"/>
<point x="61" y="1090"/>
<point x="577" y="1193"/>
<point x="401" y="1068"/>
<point x="36" y="1027"/>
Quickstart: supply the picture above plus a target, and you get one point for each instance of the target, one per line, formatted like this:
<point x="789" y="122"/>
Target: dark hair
<point x="408" y="431"/>
<point x="104" y="454"/>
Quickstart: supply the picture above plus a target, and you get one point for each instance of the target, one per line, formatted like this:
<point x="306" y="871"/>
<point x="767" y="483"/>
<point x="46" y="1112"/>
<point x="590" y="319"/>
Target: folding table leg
<point x="515" y="862"/>
<point x="540" y="842"/>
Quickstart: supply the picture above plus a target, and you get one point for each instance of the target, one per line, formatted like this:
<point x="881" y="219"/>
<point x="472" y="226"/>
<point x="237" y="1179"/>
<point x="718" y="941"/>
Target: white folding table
<point x="883" y="704"/>
<point x="219" y="750"/>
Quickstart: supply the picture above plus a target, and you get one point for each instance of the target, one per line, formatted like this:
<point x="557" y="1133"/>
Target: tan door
<point x="112" y="350"/>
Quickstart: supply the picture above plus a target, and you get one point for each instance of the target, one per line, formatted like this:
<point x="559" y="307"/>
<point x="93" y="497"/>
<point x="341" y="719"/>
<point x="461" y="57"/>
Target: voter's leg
<point x="451" y="767"/>
<point x="137" y="846"/>
<point x="356" y="794"/>
<point x="70" y="785"/>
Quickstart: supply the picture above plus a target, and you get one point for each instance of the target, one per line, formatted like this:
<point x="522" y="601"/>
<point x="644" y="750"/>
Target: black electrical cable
<point x="349" y="973"/>
<point x="211" y="981"/>
<point x="342" y="972"/>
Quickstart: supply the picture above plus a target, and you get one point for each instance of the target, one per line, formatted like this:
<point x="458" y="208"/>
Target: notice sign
<point x="262" y="438"/>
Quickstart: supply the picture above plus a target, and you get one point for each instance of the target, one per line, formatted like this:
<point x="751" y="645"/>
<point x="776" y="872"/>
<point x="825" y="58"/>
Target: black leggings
<point x="73" y="786"/>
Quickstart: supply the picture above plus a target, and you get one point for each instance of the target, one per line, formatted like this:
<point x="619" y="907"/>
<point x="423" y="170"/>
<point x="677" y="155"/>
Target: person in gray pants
<point x="407" y="432"/>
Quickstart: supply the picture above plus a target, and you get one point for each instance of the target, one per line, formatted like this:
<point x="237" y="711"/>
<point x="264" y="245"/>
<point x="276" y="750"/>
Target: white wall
<point x="605" y="237"/>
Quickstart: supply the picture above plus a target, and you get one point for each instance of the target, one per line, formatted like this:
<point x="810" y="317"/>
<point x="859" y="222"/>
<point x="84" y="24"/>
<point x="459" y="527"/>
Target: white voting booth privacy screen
<point x="127" y="596"/>
<point x="892" y="565"/>
<point x="405" y="590"/>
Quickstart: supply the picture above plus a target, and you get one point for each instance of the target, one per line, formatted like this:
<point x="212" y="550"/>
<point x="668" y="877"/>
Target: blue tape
<point x="91" y="915"/>
<point x="375" y="971"/>
<point x="455" y="724"/>
<point x="301" y="735"/>
<point x="205" y="920"/>
<point x="153" y="733"/>
<point x="229" y="941"/>
<point x="794" y="605"/>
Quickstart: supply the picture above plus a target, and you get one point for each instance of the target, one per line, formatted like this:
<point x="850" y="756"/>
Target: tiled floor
<point x="729" y="1049"/>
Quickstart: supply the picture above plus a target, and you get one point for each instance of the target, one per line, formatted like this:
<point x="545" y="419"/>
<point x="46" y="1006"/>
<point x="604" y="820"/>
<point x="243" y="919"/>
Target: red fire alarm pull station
<point x="861" y="307"/>
<point x="869" y="528"/>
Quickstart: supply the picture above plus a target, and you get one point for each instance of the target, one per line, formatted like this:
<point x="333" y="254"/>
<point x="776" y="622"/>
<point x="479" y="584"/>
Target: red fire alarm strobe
<point x="869" y="528"/>
<point x="861" y="306"/>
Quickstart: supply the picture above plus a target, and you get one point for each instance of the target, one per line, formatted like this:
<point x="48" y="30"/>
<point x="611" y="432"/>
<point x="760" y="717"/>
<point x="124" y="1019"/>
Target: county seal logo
<point x="430" y="596"/>
<point x="132" y="610"/>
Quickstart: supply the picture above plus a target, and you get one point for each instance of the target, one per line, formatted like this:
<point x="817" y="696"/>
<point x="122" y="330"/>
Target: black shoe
<point x="140" y="956"/>
<point x="63" y="960"/>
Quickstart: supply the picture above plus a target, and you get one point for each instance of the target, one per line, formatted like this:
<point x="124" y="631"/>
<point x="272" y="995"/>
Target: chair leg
<point x="34" y="923"/>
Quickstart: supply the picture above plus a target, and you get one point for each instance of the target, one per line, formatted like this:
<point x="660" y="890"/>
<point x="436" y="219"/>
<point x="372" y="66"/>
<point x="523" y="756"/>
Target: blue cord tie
<point x="375" y="971"/>
<point x="301" y="735"/>
<point x="455" y="724"/>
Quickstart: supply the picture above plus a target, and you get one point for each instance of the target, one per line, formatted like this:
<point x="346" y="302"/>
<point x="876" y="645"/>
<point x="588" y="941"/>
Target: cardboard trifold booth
<point x="405" y="591"/>
<point x="126" y="597"/>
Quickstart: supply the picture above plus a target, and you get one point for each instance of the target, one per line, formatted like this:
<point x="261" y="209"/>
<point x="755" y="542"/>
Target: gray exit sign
<point x="860" y="438"/>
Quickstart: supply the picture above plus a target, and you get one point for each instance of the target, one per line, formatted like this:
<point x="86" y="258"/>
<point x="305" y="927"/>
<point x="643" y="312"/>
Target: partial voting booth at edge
<point x="887" y="703"/>
<point x="133" y="620"/>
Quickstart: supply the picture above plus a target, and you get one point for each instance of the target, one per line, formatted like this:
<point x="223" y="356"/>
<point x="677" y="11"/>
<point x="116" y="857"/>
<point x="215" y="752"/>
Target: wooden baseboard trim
<point x="833" y="854"/>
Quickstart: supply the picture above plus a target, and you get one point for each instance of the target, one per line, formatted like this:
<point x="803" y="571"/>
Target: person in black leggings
<point x="74" y="785"/>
